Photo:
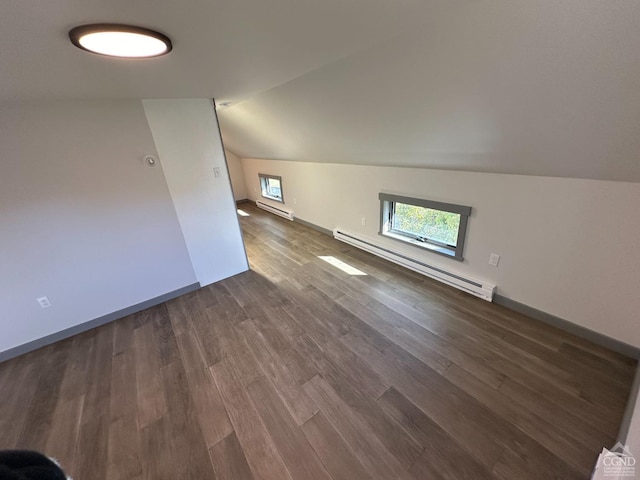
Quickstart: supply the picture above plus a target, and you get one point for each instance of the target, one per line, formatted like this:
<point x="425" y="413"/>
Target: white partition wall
<point x="83" y="221"/>
<point x="188" y="142"/>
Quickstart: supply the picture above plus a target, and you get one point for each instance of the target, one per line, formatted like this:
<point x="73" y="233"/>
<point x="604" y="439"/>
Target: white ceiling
<point x="540" y="87"/>
<point x="529" y="87"/>
<point x="227" y="49"/>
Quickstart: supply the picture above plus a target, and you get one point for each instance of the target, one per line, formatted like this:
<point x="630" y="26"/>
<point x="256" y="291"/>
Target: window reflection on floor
<point x="345" y="267"/>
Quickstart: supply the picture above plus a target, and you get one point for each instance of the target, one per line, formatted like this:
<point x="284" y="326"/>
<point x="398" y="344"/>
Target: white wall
<point x="633" y="438"/>
<point x="236" y="175"/>
<point x="186" y="135"/>
<point x="569" y="247"/>
<point x="82" y="219"/>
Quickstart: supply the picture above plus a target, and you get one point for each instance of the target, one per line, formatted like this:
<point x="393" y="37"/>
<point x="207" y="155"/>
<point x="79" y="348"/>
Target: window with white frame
<point x="271" y="187"/>
<point x="435" y="226"/>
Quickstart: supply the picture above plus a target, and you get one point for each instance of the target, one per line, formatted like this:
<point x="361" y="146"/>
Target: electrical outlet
<point x="494" y="259"/>
<point x="43" y="302"/>
<point x="294" y="200"/>
<point x="363" y="221"/>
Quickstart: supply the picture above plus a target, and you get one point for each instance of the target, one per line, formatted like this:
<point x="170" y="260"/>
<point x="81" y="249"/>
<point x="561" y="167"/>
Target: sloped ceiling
<point x="541" y="87"/>
<point x="547" y="88"/>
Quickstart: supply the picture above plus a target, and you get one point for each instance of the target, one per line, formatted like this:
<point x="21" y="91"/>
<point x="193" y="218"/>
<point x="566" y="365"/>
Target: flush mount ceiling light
<point x="123" y="41"/>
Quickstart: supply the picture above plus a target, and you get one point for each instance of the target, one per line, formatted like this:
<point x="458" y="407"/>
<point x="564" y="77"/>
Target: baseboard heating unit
<point x="281" y="212"/>
<point x="474" y="287"/>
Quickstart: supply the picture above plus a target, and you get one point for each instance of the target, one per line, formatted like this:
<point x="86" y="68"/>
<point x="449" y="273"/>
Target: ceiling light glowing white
<point x="124" y="41"/>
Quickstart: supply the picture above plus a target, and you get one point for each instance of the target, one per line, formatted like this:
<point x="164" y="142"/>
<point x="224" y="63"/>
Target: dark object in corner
<point x="27" y="465"/>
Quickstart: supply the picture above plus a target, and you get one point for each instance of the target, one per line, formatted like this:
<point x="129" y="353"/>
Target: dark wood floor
<point x="297" y="370"/>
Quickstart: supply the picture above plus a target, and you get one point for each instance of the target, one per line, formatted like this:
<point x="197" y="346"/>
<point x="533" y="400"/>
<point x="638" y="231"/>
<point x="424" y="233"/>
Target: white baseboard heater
<point x="281" y="212"/>
<point x="474" y="287"/>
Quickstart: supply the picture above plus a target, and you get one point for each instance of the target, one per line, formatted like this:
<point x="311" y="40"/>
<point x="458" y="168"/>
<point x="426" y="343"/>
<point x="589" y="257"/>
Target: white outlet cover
<point x="494" y="259"/>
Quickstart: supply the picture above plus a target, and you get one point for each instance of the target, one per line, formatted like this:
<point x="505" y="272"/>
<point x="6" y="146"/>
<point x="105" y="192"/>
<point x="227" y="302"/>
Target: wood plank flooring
<point x="297" y="370"/>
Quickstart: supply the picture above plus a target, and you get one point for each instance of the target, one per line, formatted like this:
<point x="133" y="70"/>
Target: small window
<point x="271" y="187"/>
<point x="435" y="226"/>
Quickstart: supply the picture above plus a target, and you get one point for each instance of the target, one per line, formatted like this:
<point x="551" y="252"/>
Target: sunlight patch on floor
<point x="242" y="213"/>
<point x="345" y="267"/>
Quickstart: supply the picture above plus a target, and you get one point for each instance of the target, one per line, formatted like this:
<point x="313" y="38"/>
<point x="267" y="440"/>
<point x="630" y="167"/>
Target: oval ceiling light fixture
<point x="124" y="41"/>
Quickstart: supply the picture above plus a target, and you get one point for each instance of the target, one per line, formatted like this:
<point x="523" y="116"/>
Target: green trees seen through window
<point x="426" y="223"/>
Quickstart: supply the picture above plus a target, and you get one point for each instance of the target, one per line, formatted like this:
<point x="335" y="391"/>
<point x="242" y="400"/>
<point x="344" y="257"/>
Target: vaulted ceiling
<point x="528" y="87"/>
<point x="537" y="87"/>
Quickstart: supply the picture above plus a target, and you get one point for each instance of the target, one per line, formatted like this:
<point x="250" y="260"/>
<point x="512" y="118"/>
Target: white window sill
<point x="275" y="199"/>
<point x="424" y="245"/>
